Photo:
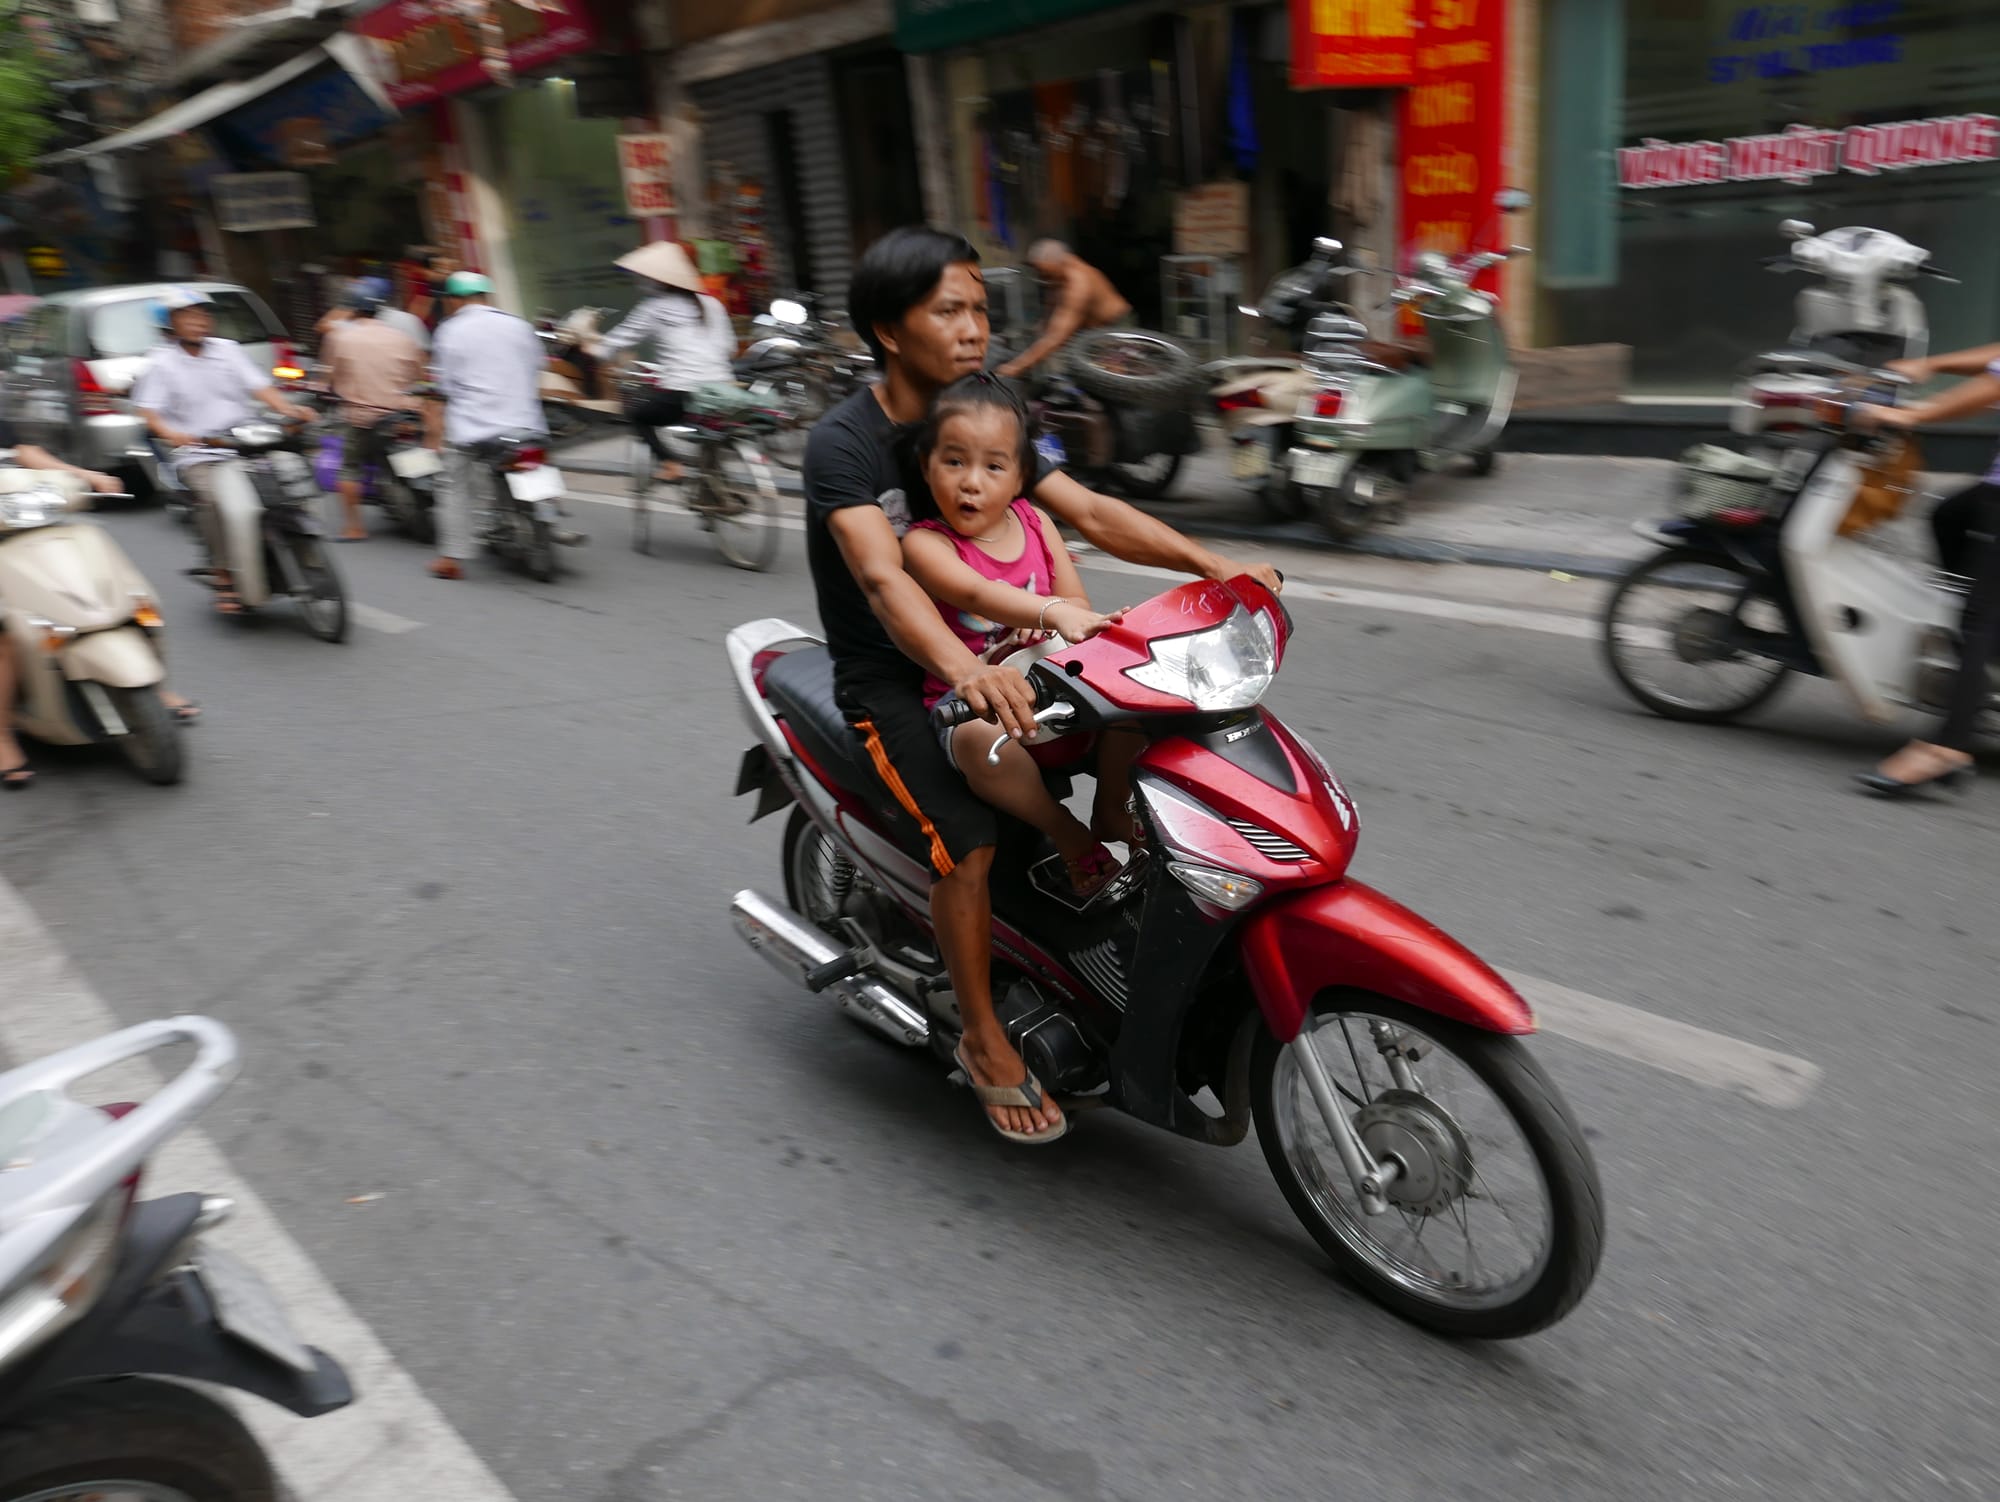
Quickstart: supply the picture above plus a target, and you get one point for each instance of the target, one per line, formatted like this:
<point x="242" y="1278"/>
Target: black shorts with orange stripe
<point x="924" y="795"/>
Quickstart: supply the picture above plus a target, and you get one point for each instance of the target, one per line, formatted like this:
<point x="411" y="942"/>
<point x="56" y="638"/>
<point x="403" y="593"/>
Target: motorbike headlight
<point x="257" y="435"/>
<point x="1225" y="667"/>
<point x="784" y="310"/>
<point x="31" y="508"/>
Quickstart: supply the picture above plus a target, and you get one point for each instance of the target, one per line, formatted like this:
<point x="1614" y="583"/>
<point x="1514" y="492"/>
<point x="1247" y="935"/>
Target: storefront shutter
<point x="737" y="129"/>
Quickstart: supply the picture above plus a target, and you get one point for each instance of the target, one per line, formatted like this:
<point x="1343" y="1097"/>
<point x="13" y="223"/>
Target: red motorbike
<point x="1233" y="972"/>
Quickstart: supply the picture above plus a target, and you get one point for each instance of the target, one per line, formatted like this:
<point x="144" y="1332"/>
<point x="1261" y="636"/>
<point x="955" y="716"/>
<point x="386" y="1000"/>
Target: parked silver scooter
<point x="84" y="628"/>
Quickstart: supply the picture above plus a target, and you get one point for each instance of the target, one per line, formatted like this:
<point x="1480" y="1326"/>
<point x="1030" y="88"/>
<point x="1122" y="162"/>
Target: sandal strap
<point x="1028" y="1093"/>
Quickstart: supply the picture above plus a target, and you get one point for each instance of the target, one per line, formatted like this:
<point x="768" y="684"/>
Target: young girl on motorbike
<point x="1003" y="580"/>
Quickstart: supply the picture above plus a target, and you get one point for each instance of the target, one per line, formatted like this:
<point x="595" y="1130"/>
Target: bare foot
<point x="993" y="1061"/>
<point x="1920" y="761"/>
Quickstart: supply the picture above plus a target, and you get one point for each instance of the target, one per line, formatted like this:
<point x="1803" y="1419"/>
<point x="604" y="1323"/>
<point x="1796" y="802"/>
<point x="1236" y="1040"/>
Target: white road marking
<point x="1468" y="612"/>
<point x="377" y="619"/>
<point x="1716" y="1060"/>
<point x="392" y="1444"/>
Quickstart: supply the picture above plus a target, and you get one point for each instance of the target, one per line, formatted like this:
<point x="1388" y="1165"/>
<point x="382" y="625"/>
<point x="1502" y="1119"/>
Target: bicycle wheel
<point x="739" y="496"/>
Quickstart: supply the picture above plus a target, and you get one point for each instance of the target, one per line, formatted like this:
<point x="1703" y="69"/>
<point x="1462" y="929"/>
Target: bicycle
<point x="728" y="480"/>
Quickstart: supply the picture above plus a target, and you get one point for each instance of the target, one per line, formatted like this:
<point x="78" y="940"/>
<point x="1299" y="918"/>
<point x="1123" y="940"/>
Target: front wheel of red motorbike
<point x="1495" y="1219"/>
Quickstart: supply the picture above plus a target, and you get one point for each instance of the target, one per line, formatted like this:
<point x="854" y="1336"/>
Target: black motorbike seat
<point x="799" y="686"/>
<point x="506" y="445"/>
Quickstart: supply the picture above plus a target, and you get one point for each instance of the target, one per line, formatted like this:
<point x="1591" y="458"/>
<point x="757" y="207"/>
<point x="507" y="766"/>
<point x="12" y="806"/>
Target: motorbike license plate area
<point x="542" y="483"/>
<point x="415" y="464"/>
<point x="1250" y="461"/>
<point x="248" y="1310"/>
<point x="1315" y="469"/>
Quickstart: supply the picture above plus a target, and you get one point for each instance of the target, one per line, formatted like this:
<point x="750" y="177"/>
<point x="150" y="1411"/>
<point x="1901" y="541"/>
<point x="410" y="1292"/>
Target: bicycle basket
<point x="1713" y="480"/>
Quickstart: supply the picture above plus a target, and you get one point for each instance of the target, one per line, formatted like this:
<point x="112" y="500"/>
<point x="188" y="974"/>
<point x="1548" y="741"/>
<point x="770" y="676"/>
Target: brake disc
<point x="1421" y="1136"/>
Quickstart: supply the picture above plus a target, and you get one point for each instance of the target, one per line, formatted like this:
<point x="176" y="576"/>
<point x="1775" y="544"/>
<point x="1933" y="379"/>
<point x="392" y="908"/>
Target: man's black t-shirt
<point x="10" y="437"/>
<point x="853" y="458"/>
<point x="856" y="457"/>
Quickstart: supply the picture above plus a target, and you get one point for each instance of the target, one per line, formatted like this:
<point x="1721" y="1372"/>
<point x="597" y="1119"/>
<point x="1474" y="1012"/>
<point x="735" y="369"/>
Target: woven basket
<point x="1714" y="479"/>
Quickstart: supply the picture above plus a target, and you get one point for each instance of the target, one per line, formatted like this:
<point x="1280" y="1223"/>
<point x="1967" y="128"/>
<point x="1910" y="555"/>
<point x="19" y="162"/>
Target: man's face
<point x="192" y="325"/>
<point x="944" y="336"/>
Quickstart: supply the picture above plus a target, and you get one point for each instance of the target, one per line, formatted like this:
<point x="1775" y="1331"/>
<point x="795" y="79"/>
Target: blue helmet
<point x="175" y="300"/>
<point x="366" y="295"/>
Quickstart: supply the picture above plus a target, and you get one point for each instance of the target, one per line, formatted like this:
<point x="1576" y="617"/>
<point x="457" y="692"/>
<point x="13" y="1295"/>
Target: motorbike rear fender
<point x="120" y="658"/>
<point x="1348" y="935"/>
<point x="151" y="1325"/>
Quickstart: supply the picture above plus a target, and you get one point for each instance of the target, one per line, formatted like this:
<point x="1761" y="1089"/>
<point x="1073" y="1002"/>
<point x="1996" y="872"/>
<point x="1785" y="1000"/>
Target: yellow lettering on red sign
<point x="1442" y="175"/>
<point x="1454" y="15"/>
<point x="1433" y="104"/>
<point x="1361" y="18"/>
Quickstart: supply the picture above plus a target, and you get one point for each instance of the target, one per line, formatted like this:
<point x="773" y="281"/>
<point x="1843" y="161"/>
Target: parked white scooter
<point x="1763" y="576"/>
<point x="1860" y="314"/>
<point x="83" y="626"/>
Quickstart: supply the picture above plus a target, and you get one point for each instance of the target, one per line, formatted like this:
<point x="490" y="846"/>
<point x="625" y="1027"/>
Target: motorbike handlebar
<point x="948" y="714"/>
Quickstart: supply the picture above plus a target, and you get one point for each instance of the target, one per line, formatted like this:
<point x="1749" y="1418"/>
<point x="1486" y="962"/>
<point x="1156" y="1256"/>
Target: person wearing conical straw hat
<point x="693" y="340"/>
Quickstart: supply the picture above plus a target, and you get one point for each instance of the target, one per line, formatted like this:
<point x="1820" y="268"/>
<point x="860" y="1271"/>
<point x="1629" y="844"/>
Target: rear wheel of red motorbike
<point x="1495" y="1221"/>
<point x="819" y="877"/>
<point x="135" y="1439"/>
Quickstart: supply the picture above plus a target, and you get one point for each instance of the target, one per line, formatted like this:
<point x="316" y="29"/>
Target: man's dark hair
<point x="899" y="271"/>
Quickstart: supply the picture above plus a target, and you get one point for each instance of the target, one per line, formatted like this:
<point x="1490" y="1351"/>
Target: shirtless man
<point x="1079" y="297"/>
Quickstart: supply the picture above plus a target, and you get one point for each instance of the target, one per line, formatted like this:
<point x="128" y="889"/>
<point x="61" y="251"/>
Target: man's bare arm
<point x="1063" y="322"/>
<point x="1127" y="532"/>
<point x="873" y="555"/>
<point x="1958" y="362"/>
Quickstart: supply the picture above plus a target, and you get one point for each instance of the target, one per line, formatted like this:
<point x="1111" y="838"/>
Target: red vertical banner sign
<point x="1454" y="127"/>
<point x="1353" y="44"/>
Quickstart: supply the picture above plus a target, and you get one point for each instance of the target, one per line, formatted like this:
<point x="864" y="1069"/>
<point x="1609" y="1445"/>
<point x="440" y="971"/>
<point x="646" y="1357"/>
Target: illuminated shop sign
<point x="1802" y="153"/>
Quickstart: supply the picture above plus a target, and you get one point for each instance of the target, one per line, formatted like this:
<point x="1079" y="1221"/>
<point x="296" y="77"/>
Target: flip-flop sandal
<point x="1027" y="1094"/>
<point x="14" y="778"/>
<point x="1088" y="876"/>
<point x="185" y="714"/>
<point x="226" y="602"/>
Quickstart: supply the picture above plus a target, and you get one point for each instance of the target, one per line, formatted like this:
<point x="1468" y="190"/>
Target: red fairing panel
<point x="1348" y="934"/>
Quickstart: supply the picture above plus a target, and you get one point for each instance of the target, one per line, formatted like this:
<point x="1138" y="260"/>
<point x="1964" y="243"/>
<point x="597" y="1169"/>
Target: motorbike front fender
<point x="151" y="1326"/>
<point x="124" y="658"/>
<point x="1348" y="935"/>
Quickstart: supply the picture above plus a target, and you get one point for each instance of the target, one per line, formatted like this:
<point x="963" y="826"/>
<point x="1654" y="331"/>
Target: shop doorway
<point x="872" y="95"/>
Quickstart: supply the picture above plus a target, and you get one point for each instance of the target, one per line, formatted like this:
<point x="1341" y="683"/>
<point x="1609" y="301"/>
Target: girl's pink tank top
<point x="1033" y="571"/>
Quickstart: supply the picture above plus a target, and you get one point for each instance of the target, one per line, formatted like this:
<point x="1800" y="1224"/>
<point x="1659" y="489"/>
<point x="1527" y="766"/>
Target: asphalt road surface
<point x="643" y="1222"/>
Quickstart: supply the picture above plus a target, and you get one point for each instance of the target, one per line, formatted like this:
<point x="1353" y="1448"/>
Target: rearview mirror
<point x="1326" y="245"/>
<point x="1513" y="200"/>
<point x="1796" y="229"/>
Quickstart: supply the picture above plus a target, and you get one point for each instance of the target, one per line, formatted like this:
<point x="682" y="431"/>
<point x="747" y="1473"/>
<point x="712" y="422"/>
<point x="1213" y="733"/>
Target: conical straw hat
<point x="663" y="262"/>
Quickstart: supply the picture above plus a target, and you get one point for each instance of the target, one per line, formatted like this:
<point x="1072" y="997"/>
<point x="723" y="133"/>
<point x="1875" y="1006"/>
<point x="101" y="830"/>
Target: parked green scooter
<point x="1381" y="413"/>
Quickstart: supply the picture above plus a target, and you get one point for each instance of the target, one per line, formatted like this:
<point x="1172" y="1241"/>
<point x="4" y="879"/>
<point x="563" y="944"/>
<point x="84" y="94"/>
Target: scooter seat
<point x="800" y="688"/>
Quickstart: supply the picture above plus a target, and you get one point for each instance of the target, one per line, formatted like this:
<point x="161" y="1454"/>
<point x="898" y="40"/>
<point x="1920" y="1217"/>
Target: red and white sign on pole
<point x="1454" y="126"/>
<point x="645" y="166"/>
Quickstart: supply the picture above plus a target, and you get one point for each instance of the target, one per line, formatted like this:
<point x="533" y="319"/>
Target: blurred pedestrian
<point x="487" y="366"/>
<point x="1967" y="529"/>
<point x="693" y="339"/>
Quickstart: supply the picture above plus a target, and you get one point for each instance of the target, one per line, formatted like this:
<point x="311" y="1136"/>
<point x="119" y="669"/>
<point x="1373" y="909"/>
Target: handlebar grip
<point x="951" y="713"/>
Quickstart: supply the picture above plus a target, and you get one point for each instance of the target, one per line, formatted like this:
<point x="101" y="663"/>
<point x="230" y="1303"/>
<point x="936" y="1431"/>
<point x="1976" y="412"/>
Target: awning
<point x="211" y="103"/>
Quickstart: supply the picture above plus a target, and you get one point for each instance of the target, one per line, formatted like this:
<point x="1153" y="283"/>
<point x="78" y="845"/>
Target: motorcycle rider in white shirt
<point x="487" y="367"/>
<point x="196" y="386"/>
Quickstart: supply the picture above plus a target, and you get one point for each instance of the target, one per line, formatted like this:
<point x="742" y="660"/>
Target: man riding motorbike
<point x="196" y="386"/>
<point x="373" y="368"/>
<point x="488" y="369"/>
<point x="1078" y="296"/>
<point x="919" y="303"/>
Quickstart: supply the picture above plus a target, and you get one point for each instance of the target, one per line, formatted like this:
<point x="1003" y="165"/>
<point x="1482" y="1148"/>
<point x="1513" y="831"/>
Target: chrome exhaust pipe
<point x="794" y="948"/>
